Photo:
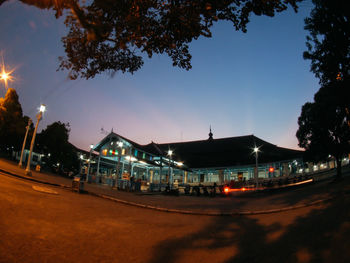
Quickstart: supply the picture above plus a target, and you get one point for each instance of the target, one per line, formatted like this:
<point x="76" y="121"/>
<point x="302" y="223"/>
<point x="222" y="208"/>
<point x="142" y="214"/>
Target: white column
<point x="38" y="116"/>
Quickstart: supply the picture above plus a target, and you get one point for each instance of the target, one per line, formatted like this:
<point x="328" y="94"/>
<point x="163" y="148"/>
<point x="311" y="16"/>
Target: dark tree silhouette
<point x="54" y="141"/>
<point x="12" y="121"/>
<point x="111" y="36"/>
<point x="323" y="125"/>
<point x="329" y="40"/>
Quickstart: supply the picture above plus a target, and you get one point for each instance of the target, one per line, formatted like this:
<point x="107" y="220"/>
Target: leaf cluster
<point x="111" y="35"/>
<point x="12" y="122"/>
<point x="53" y="142"/>
<point x="324" y="125"/>
<point x="328" y="42"/>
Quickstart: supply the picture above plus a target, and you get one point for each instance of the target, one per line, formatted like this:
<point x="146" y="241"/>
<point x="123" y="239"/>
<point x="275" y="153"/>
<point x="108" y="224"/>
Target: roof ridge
<point x="206" y="140"/>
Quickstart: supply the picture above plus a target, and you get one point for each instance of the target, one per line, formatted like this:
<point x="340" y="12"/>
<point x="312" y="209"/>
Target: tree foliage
<point x="12" y="121"/>
<point x="111" y="36"/>
<point x="329" y="40"/>
<point x="53" y="142"/>
<point x="324" y="124"/>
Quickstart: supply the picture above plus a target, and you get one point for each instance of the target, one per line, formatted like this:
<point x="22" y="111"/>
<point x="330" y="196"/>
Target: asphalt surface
<point x="245" y="203"/>
<point x="47" y="222"/>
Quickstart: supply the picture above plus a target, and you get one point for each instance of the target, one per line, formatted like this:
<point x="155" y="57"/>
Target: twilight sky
<point x="240" y="84"/>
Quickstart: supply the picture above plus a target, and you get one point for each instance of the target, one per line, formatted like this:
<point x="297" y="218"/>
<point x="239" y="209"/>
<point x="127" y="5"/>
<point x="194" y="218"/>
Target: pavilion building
<point x="203" y="161"/>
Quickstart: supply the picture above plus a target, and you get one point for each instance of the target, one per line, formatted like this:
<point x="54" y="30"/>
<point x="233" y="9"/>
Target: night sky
<point x="240" y="84"/>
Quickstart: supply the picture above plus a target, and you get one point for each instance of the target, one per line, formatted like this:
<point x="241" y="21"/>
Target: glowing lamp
<point x="271" y="169"/>
<point x="42" y="108"/>
<point x="5" y="75"/>
<point x="226" y="189"/>
<point x="170" y="152"/>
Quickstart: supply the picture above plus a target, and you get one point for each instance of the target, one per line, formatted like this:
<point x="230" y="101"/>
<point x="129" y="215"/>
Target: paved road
<point x="39" y="223"/>
<point x="255" y="202"/>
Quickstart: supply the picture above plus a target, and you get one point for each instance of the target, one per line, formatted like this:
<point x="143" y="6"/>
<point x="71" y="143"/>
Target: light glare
<point x="42" y="108"/>
<point x="5" y="75"/>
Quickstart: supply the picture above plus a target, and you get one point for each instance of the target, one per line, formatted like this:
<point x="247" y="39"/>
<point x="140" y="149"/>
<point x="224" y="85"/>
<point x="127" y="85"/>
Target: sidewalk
<point x="249" y="203"/>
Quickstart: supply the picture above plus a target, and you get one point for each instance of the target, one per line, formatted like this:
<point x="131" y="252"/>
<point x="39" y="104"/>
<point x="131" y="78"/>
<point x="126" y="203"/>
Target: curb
<point x="33" y="180"/>
<point x="178" y="211"/>
<point x="211" y="213"/>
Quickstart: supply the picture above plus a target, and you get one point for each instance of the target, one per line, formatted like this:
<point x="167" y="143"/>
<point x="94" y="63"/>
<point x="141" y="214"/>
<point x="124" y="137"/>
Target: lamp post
<point x="256" y="150"/>
<point x="89" y="161"/>
<point x="38" y="117"/>
<point x="170" y="153"/>
<point x="81" y="158"/>
<point x="24" y="142"/>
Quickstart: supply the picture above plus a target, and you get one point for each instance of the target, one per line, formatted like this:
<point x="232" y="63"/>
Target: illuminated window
<point x="150" y="158"/>
<point x="104" y="152"/>
<point x="144" y="156"/>
<point x="135" y="153"/>
<point x="123" y="151"/>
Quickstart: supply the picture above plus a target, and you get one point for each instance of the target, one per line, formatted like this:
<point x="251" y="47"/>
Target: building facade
<point x="116" y="159"/>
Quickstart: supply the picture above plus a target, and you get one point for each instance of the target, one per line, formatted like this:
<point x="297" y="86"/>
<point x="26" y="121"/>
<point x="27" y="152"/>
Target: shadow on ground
<point x="313" y="234"/>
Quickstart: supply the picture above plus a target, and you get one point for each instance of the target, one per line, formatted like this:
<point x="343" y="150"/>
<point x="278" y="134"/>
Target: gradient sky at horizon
<point x="240" y="84"/>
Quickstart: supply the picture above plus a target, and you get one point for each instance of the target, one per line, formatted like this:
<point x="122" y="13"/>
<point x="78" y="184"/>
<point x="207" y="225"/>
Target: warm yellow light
<point x="256" y="149"/>
<point x="5" y="75"/>
<point x="170" y="152"/>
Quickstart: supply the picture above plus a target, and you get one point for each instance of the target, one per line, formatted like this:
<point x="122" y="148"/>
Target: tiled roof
<point x="224" y="152"/>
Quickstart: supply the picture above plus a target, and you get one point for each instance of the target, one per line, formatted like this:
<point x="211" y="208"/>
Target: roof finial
<point x="210" y="134"/>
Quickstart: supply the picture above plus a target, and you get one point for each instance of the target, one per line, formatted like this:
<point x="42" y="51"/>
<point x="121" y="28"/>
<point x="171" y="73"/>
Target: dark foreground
<point x="47" y="224"/>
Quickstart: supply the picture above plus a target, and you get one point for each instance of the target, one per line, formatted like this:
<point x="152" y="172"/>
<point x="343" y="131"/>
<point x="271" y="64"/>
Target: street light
<point x="38" y="117"/>
<point x="24" y="142"/>
<point x="89" y="161"/>
<point x="81" y="157"/>
<point x="256" y="150"/>
<point x="5" y="75"/>
<point x="170" y="153"/>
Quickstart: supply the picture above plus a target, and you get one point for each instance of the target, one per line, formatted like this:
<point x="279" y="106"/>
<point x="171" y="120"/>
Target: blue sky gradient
<point x="240" y="83"/>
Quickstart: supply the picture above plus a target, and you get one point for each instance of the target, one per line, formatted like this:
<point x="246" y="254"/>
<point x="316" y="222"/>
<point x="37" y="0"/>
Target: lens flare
<point x="5" y="76"/>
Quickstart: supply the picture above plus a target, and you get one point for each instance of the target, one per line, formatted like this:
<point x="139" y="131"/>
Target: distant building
<point x="203" y="161"/>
